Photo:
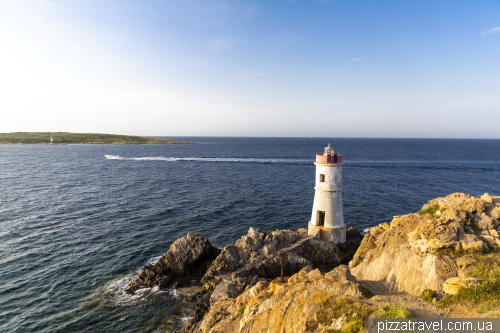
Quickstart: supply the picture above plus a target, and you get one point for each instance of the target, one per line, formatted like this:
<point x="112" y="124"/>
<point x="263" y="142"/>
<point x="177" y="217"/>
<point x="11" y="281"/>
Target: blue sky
<point x="339" y="68"/>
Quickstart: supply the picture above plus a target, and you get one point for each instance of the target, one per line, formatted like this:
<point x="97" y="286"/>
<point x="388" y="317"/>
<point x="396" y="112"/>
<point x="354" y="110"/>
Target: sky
<point x="289" y="68"/>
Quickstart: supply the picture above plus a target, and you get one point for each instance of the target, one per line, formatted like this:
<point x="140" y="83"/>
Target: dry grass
<point x="485" y="297"/>
<point x="356" y="311"/>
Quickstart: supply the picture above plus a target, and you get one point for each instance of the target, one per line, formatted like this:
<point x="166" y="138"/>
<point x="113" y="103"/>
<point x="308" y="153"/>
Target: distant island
<point x="76" y="138"/>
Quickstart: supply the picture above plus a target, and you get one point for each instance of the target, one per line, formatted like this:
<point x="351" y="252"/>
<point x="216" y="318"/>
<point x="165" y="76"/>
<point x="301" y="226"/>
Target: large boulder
<point x="485" y="222"/>
<point x="471" y="242"/>
<point x="422" y="250"/>
<point x="188" y="255"/>
<point x="453" y="285"/>
<point x="225" y="289"/>
<point x="462" y="201"/>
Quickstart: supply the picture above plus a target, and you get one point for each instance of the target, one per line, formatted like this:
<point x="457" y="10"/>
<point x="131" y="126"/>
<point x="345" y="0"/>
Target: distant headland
<point x="77" y="138"/>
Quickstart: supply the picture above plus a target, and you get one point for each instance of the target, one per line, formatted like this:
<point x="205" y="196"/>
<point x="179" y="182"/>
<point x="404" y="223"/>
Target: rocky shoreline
<point x="423" y="250"/>
<point x="432" y="250"/>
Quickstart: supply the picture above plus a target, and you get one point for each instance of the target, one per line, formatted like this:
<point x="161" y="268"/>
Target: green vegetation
<point x="454" y="253"/>
<point x="360" y="258"/>
<point x="395" y="311"/>
<point x="268" y="294"/>
<point x="358" y="261"/>
<point x="428" y="295"/>
<point x="65" y="138"/>
<point x="430" y="211"/>
<point x="487" y="295"/>
<point x="356" y="313"/>
<point x="241" y="309"/>
<point x="355" y="324"/>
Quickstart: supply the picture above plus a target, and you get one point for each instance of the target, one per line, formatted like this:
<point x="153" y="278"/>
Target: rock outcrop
<point x="281" y="307"/>
<point x="248" y="264"/>
<point x="256" y="254"/>
<point x="422" y="250"/>
<point x="188" y="255"/>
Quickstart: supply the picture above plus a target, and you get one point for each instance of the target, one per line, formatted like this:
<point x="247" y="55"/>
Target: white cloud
<point x="38" y="17"/>
<point x="491" y="31"/>
<point x="360" y="59"/>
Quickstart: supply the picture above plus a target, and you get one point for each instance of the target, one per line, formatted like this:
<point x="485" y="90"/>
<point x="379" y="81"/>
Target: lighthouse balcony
<point x="329" y="159"/>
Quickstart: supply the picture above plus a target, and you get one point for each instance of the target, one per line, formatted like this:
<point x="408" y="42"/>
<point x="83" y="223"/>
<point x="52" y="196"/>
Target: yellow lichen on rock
<point x="282" y="307"/>
<point x="453" y="285"/>
<point x="420" y="250"/>
<point x="384" y="225"/>
<point x="461" y="201"/>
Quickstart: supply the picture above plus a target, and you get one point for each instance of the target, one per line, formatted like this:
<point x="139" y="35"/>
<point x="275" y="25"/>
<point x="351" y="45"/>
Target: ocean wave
<point x="115" y="294"/>
<point x="153" y="260"/>
<point x="118" y="286"/>
<point x="210" y="159"/>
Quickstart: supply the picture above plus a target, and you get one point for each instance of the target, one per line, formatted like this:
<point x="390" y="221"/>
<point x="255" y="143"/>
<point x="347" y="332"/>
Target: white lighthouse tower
<point x="327" y="219"/>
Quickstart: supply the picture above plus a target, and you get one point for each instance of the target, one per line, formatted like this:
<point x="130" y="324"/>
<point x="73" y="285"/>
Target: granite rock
<point x="412" y="255"/>
<point x="280" y="307"/>
<point x="485" y="222"/>
<point x="453" y="285"/>
<point x="256" y="254"/>
<point x="188" y="255"/>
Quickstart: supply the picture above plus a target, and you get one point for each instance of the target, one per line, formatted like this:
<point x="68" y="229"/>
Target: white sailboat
<point x="51" y="141"/>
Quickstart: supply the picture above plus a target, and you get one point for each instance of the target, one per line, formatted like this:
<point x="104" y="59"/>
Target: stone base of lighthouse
<point x="336" y="235"/>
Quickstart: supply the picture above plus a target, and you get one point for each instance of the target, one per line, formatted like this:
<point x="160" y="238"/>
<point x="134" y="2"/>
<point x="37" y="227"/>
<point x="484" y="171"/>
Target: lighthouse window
<point x="322" y="178"/>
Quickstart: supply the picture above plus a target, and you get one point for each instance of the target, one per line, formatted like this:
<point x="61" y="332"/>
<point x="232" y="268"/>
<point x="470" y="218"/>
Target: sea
<point x="76" y="227"/>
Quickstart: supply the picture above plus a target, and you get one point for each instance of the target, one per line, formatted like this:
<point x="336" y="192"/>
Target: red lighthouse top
<point x="329" y="157"/>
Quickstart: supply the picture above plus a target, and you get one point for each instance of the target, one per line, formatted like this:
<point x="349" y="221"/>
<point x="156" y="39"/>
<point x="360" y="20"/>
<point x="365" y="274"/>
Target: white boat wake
<point x="209" y="159"/>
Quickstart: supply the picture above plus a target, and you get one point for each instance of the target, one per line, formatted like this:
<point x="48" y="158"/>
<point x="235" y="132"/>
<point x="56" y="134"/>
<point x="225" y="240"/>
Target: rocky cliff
<point x="256" y="254"/>
<point x="295" y="306"/>
<point x="422" y="250"/>
<point x="189" y="255"/>
<point x="253" y="260"/>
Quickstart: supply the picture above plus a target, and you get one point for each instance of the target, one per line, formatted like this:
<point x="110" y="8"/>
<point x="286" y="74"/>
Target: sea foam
<point x="210" y="159"/>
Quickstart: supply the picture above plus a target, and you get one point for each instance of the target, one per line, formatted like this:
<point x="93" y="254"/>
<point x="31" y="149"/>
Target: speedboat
<point x="112" y="157"/>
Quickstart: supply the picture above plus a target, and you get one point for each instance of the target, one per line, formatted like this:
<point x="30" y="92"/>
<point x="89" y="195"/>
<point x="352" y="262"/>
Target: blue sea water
<point x="75" y="227"/>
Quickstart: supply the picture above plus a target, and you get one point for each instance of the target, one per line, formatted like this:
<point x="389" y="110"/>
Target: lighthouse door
<point x="320" y="219"/>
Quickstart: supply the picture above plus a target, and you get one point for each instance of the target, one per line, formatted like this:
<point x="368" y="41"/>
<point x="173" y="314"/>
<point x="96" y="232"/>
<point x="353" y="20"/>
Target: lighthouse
<point x="327" y="218"/>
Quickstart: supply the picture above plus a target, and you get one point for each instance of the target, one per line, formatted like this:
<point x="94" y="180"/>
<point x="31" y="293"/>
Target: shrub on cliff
<point x="428" y="295"/>
<point x="355" y="313"/>
<point x="430" y="211"/>
<point x="395" y="311"/>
